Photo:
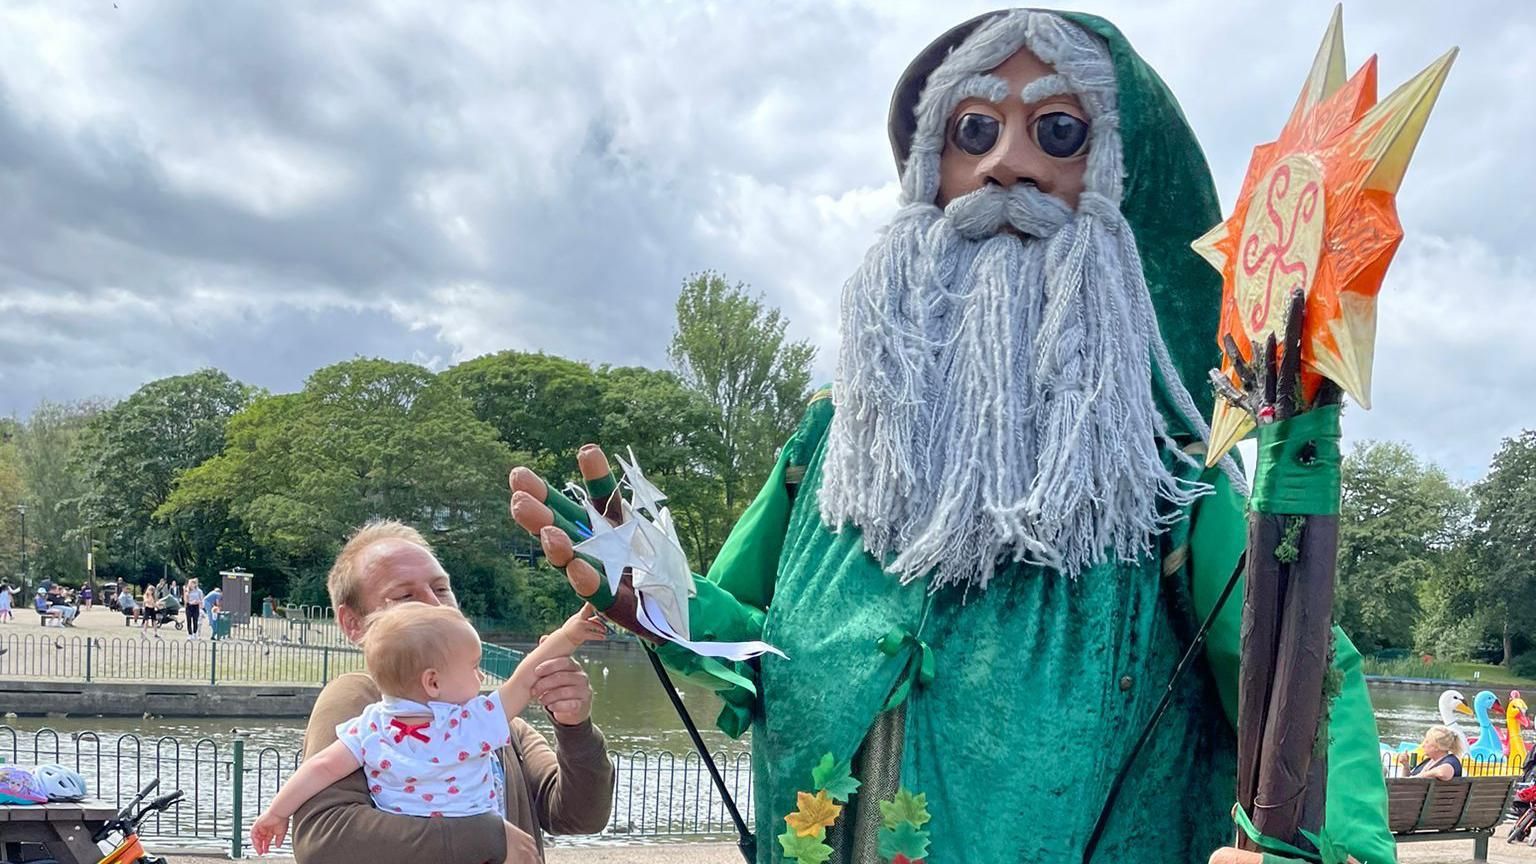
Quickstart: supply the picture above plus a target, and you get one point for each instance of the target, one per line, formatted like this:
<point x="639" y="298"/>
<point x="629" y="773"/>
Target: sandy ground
<point x="1448" y="852"/>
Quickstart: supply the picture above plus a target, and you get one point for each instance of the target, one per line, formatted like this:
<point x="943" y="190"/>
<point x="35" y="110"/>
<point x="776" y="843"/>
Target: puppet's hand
<point x="531" y="508"/>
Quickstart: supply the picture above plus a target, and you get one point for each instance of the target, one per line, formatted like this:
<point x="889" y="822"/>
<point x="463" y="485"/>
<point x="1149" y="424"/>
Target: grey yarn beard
<point x="994" y="391"/>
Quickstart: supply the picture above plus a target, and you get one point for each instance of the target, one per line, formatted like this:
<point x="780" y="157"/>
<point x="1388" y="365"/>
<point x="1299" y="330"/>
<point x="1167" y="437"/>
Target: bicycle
<point x="128" y="849"/>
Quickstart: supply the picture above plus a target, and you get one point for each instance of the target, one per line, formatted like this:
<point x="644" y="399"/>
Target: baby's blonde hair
<point x="403" y="641"/>
<point x="1445" y="738"/>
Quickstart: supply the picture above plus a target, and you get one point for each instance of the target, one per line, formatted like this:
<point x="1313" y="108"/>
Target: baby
<point x="427" y="746"/>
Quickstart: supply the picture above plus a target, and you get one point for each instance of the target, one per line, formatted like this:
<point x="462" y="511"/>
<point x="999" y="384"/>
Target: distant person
<point x="86" y="596"/>
<point x="62" y="611"/>
<point x="213" y="602"/>
<point x="194" y="600"/>
<point x="147" y="610"/>
<point x="6" y="596"/>
<point x="125" y="601"/>
<point x="1442" y="755"/>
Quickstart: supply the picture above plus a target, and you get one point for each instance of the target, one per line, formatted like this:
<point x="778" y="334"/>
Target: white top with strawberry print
<point x="438" y="768"/>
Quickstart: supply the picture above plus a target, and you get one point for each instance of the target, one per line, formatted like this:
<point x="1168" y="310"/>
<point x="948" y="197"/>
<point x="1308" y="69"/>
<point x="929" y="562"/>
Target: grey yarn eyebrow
<point x="1041" y="89"/>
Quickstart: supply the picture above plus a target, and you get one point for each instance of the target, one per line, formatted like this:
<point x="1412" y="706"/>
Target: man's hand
<point x="520" y="846"/>
<point x="561" y="686"/>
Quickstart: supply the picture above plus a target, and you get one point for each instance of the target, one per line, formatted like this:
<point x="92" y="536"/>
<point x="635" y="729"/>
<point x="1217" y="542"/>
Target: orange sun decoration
<point x="1318" y="212"/>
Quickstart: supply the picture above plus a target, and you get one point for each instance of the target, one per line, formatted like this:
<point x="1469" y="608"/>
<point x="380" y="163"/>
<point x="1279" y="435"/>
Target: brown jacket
<point x="566" y="790"/>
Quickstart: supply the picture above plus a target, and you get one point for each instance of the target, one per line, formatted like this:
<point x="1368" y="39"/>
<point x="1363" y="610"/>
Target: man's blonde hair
<point x="345" y="581"/>
<point x="407" y="639"/>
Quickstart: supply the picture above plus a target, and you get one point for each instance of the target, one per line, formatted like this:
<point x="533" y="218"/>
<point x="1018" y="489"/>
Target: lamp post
<point x="22" y="509"/>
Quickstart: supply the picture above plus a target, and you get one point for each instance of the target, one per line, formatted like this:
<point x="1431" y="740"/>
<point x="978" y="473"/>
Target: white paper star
<point x="613" y="547"/>
<point x="642" y="492"/>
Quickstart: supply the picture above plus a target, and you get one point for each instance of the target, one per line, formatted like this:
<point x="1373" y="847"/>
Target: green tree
<point x="542" y="406"/>
<point x="364" y="439"/>
<point x="1398" y="520"/>
<point x="1505" y="559"/>
<point x="731" y="348"/>
<point x="131" y="455"/>
<point x="667" y="424"/>
<point x="12" y="496"/>
<point x="47" y="449"/>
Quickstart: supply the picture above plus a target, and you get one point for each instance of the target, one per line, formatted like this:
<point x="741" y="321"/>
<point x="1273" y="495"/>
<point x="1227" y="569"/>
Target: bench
<point x="1467" y="808"/>
<point x="63" y="830"/>
<point x="48" y="619"/>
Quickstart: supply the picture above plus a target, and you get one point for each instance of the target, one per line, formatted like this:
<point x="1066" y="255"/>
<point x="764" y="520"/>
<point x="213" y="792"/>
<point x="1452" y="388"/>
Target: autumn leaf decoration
<point x="902" y="838"/>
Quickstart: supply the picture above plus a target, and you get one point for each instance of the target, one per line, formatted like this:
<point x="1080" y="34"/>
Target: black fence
<point x="656" y="794"/>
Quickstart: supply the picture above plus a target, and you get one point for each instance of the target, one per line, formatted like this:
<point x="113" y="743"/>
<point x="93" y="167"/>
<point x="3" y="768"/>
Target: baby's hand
<point x="585" y="626"/>
<point x="267" y="832"/>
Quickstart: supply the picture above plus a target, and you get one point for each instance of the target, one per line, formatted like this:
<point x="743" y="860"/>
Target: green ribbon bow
<point x="1330" y="853"/>
<point x="921" y="666"/>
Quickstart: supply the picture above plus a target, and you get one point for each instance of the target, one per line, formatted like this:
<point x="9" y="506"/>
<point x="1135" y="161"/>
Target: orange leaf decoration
<point x="1318" y="212"/>
<point x="815" y="812"/>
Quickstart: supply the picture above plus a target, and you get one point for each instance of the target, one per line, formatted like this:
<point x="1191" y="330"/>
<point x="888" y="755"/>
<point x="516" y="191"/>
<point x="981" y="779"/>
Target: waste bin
<point x="221" y="624"/>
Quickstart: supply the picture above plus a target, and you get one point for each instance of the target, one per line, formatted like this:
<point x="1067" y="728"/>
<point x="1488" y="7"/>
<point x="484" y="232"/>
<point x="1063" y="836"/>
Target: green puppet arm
<point x="1355" y="809"/>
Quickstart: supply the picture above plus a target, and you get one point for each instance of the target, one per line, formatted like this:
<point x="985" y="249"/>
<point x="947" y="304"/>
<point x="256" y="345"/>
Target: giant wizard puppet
<point x="999" y="520"/>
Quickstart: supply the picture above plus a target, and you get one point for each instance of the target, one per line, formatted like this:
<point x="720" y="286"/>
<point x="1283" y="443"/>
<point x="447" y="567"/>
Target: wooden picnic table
<point x="63" y="829"/>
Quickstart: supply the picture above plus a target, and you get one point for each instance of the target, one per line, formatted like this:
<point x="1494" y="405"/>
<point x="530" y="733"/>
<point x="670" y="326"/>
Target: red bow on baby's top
<point x="411" y="729"/>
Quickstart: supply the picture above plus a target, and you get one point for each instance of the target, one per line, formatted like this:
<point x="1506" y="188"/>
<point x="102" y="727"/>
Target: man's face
<point x="395" y="571"/>
<point x="1008" y="142"/>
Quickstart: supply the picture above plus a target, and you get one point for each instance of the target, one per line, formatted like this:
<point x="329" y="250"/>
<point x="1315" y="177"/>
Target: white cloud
<point x="180" y="186"/>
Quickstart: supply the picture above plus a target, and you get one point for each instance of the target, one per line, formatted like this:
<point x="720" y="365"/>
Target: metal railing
<point x="1392" y="765"/>
<point x="656" y="794"/>
<point x="196" y="661"/>
<point x="152" y="657"/>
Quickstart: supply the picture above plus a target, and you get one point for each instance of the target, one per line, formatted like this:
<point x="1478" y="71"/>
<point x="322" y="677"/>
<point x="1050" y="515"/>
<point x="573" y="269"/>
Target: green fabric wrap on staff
<point x="1298" y="465"/>
<point x="602" y="598"/>
<point x="577" y="534"/>
<point x="600" y="488"/>
<point x="563" y="506"/>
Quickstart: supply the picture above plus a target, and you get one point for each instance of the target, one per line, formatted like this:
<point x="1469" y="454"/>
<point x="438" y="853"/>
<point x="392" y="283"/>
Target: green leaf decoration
<point x="835" y="777"/>
<point x="808" y="850"/>
<point x="904" y="839"/>
<point x="905" y="807"/>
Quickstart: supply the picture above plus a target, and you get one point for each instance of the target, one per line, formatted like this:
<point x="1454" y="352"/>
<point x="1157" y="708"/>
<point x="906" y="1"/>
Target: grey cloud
<point x="271" y="187"/>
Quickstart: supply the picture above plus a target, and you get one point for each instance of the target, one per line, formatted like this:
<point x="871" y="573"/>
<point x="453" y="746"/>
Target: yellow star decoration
<point x="814" y="813"/>
<point x="1318" y="212"/>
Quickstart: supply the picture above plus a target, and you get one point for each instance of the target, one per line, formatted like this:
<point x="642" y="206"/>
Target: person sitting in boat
<point x="1442" y="755"/>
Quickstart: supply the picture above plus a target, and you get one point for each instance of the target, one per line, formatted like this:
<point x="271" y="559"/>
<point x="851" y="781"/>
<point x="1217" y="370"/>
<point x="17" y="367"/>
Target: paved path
<point x="1450" y="852"/>
<point x="670" y="853"/>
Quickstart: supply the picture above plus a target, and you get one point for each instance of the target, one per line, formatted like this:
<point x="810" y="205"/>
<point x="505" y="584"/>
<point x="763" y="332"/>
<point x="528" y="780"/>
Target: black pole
<point x="746" y="840"/>
<point x="22" y="508"/>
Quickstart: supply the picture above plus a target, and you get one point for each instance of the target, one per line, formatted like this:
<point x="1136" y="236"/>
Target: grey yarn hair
<point x="995" y="391"/>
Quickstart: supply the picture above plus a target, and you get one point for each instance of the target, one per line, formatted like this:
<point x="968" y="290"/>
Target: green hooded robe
<point x="958" y="698"/>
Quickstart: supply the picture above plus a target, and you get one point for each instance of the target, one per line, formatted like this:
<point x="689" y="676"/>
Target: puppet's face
<point x="1008" y="142"/>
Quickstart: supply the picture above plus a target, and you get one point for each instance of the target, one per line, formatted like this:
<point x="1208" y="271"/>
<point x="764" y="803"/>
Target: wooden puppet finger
<point x="525" y="480"/>
<point x="1288" y="398"/>
<point x="1243" y="368"/>
<point x="584" y="578"/>
<point x="601" y="485"/>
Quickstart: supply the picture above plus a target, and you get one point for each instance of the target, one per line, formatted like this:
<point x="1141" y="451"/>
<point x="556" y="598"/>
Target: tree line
<point x="199" y="473"/>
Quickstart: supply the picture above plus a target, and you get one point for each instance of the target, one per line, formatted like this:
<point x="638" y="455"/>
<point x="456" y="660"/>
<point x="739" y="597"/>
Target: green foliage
<point x="731" y="348"/>
<point x="1505" y="554"/>
<point x="364" y="439"/>
<point x="541" y="406"/>
<point x="131" y="454"/>
<point x="1400" y="518"/>
<point x="1524" y="665"/>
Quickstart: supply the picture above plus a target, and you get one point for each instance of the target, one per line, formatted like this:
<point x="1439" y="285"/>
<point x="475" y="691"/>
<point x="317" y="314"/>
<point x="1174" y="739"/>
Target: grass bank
<point x="1470" y="675"/>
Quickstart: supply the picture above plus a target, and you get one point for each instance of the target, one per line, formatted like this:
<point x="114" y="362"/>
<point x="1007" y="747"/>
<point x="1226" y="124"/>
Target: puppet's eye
<point x="1061" y="135"/>
<point x="977" y="133"/>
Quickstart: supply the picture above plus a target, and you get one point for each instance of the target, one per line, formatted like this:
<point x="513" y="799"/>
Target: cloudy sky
<point x="271" y="187"/>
